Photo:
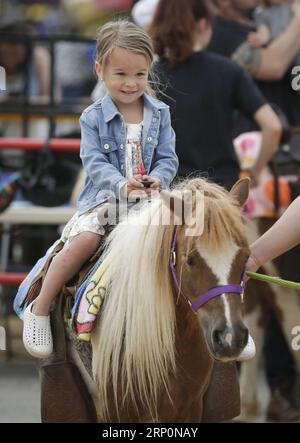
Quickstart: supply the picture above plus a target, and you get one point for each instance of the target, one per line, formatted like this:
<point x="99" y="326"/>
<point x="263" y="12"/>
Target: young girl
<point x="127" y="139"/>
<point x="282" y="236"/>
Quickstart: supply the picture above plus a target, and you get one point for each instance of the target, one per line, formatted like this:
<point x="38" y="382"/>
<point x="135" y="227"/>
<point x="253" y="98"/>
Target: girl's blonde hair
<point x="126" y="35"/>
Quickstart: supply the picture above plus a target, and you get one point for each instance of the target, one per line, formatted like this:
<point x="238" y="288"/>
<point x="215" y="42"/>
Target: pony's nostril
<point x="217" y="337"/>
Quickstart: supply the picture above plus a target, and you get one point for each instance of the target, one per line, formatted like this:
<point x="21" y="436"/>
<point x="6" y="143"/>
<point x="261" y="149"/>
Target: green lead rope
<point x="275" y="280"/>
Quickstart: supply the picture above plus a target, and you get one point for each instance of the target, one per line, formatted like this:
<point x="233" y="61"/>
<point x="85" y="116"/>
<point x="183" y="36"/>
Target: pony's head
<point x="209" y="267"/>
<point x="134" y="350"/>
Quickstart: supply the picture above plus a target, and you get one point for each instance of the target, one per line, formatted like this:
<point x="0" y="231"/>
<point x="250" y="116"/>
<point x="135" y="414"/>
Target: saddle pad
<point x="88" y="300"/>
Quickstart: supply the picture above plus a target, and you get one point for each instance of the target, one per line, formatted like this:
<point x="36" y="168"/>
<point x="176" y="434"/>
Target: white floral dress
<point x="88" y="221"/>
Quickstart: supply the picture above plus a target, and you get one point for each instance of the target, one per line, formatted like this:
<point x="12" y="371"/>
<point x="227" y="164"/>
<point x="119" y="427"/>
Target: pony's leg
<point x="249" y="369"/>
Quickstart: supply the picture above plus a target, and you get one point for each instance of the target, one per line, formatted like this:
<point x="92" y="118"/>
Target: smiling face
<point x="125" y="75"/>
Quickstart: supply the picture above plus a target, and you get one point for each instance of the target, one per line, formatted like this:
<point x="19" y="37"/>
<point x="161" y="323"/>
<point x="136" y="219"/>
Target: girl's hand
<point x="154" y="187"/>
<point x="134" y="188"/>
<point x="155" y="182"/>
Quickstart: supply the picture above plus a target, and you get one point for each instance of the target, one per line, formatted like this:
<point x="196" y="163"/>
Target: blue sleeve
<point x="103" y="174"/>
<point x="165" y="162"/>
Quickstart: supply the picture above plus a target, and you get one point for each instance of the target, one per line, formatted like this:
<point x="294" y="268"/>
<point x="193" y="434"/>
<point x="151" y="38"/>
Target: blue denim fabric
<point x="103" y="145"/>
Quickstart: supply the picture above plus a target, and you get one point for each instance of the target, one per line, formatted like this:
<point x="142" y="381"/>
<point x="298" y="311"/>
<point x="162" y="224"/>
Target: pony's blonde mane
<point x="134" y="353"/>
<point x="222" y="214"/>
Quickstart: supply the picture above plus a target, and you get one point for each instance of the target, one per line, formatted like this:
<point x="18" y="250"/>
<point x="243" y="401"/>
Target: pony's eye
<point x="191" y="261"/>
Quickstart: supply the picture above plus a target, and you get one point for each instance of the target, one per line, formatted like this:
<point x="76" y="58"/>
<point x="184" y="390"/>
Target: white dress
<point x="88" y="221"/>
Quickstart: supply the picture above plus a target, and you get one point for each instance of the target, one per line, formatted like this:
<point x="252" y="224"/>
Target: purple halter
<point x="212" y="293"/>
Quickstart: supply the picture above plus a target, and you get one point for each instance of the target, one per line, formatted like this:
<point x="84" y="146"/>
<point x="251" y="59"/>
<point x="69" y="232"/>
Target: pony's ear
<point x="240" y="191"/>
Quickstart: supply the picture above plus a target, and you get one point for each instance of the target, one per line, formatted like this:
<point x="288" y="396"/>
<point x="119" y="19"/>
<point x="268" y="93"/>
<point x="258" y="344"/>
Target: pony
<point x="155" y="340"/>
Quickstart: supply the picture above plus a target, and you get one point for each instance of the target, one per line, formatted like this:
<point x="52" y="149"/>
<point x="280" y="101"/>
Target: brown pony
<point x="152" y="356"/>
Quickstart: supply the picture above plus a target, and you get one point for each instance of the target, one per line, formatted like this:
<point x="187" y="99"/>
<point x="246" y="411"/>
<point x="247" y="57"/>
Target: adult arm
<point x="250" y="101"/>
<point x="272" y="62"/>
<point x="282" y="236"/>
<point x="271" y="131"/>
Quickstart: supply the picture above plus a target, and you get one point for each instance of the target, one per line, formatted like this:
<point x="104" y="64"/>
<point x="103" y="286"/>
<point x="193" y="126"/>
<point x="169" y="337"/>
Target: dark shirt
<point x="227" y="36"/>
<point x="203" y="93"/>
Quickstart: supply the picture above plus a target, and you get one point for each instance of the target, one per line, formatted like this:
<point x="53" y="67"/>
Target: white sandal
<point x="37" y="337"/>
<point x="249" y="350"/>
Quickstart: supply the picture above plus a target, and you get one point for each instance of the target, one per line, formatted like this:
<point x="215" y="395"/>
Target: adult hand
<point x="252" y="264"/>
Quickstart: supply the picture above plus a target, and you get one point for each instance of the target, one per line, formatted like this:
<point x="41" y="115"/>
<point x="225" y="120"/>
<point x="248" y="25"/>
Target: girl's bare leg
<point x="63" y="267"/>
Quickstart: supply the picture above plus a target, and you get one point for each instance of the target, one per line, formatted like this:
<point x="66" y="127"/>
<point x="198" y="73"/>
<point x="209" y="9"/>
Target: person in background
<point x="203" y="91"/>
<point x="270" y="66"/>
<point x="271" y="21"/>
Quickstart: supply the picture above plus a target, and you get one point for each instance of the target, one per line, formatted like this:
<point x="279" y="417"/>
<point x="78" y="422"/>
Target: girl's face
<point x="125" y="75"/>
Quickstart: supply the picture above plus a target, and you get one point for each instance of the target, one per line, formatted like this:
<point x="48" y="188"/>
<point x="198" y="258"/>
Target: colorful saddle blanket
<point x="88" y="300"/>
<point x="88" y="297"/>
<point x="261" y="199"/>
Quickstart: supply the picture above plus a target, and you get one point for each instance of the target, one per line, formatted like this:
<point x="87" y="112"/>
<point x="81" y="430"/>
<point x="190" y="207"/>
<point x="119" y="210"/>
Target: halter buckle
<point x="242" y="296"/>
<point x="173" y="257"/>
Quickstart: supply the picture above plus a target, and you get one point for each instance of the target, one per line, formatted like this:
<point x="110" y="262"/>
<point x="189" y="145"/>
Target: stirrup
<point x="37" y="337"/>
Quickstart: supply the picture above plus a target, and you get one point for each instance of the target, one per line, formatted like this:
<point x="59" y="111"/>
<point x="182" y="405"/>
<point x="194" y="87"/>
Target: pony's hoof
<point x="37" y="337"/>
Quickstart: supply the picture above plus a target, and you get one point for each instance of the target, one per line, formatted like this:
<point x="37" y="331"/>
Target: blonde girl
<point x="127" y="143"/>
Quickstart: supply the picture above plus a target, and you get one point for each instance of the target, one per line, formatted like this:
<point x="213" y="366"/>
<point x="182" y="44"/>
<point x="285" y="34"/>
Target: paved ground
<point x="20" y="387"/>
<point x="19" y="393"/>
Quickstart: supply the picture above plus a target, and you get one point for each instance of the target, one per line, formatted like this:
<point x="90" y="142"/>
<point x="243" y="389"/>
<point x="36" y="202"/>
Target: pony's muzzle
<point x="229" y="342"/>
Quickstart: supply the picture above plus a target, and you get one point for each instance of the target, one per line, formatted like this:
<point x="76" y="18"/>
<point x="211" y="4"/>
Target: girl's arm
<point x="165" y="162"/>
<point x="282" y="236"/>
<point x="104" y="175"/>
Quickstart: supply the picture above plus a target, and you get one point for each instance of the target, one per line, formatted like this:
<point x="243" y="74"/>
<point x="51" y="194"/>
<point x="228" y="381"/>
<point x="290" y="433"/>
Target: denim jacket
<point x="103" y="145"/>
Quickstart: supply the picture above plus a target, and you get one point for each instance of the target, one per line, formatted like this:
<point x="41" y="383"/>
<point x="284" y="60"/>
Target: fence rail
<point x="33" y="144"/>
